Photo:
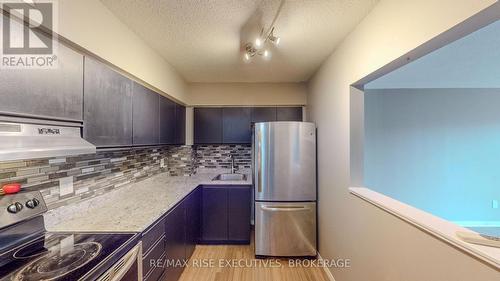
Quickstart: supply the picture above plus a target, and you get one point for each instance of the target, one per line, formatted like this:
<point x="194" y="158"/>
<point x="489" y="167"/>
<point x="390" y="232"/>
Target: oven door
<point x="128" y="268"/>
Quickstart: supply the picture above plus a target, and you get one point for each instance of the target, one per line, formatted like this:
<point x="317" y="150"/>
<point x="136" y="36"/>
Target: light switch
<point x="66" y="186"/>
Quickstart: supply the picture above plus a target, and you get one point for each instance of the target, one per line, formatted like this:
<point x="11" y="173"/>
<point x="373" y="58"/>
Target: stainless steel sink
<point x="230" y="177"/>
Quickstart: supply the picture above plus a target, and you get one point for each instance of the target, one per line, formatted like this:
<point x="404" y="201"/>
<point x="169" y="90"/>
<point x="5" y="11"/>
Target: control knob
<point x="32" y="203"/>
<point x="15" y="207"/>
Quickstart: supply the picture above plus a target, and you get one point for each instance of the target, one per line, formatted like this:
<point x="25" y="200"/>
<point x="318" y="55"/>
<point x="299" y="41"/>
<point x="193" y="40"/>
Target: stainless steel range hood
<point x="19" y="141"/>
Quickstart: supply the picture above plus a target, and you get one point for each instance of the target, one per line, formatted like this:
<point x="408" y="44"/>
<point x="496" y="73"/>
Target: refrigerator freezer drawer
<point x="285" y="229"/>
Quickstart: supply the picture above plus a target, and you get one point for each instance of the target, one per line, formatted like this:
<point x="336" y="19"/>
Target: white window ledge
<point x="442" y="229"/>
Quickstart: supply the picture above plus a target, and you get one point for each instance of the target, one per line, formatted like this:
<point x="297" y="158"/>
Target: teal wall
<point x="435" y="149"/>
<point x="470" y="62"/>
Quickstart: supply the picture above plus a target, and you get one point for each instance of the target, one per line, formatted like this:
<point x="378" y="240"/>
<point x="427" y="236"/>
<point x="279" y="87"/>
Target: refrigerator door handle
<point x="284" y="208"/>
<point x="258" y="171"/>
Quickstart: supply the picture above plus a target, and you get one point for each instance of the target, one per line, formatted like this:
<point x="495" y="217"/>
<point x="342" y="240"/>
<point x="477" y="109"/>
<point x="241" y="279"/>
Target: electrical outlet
<point x="494" y="204"/>
<point x="67" y="245"/>
<point x="163" y="163"/>
<point x="66" y="186"/>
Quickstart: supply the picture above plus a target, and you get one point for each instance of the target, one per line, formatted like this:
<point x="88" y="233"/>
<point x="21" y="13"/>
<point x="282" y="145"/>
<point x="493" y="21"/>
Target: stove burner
<point x="31" y="250"/>
<point x="54" y="265"/>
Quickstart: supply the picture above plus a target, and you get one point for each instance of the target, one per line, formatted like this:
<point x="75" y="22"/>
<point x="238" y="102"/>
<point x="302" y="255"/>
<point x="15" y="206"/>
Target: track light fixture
<point x="260" y="46"/>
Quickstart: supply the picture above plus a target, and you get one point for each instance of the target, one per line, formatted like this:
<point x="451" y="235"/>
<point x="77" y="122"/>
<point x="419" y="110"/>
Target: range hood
<point x="20" y="141"/>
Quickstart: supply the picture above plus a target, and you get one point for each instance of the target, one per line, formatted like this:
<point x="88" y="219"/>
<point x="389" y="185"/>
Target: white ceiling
<point x="201" y="38"/>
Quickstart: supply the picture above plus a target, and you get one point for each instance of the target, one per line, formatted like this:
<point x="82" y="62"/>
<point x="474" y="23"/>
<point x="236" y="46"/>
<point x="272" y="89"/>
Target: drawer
<point x="152" y="261"/>
<point x="155" y="273"/>
<point x="295" y="221"/>
<point x="150" y="236"/>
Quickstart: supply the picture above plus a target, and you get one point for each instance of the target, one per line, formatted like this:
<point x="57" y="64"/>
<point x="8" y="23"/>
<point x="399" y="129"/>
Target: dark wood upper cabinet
<point x="263" y="114"/>
<point x="289" y="113"/>
<point x="45" y="93"/>
<point x="236" y="125"/>
<point x="167" y="120"/>
<point x="207" y="125"/>
<point x="107" y="106"/>
<point x="145" y="115"/>
<point x="172" y="122"/>
<point x="180" y="124"/>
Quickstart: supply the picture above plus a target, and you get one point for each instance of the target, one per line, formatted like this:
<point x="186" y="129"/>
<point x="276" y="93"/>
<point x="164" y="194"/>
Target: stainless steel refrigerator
<point x="284" y="159"/>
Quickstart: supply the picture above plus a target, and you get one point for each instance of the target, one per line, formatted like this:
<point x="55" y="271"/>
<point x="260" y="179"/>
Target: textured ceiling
<point x="203" y="39"/>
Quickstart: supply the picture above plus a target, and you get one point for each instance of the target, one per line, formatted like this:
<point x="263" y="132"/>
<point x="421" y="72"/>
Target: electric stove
<point x="29" y="253"/>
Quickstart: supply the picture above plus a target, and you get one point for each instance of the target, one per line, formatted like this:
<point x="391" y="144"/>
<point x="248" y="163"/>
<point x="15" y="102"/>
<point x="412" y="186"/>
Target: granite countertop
<point x="133" y="207"/>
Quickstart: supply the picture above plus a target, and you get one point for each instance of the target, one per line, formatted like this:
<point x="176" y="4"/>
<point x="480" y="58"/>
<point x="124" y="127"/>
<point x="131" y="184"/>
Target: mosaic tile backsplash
<point x="104" y="171"/>
<point x="218" y="156"/>
<point x="96" y="174"/>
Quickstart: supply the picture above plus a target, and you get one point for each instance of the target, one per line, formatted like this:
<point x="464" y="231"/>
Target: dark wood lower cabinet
<point x="193" y="221"/>
<point x="175" y="242"/>
<point x="214" y="215"/>
<point x="238" y="210"/>
<point x="153" y="249"/>
<point x="152" y="267"/>
<point x="209" y="214"/>
<point x="226" y="214"/>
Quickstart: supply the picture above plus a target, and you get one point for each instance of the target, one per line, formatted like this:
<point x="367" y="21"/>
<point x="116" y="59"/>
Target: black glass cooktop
<point x="60" y="256"/>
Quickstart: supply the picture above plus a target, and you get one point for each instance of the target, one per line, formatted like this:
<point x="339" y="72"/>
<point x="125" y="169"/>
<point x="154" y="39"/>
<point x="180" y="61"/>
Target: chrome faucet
<point x="233" y="167"/>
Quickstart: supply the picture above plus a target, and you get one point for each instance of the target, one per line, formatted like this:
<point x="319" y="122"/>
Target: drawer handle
<point x="123" y="266"/>
<point x="284" y="208"/>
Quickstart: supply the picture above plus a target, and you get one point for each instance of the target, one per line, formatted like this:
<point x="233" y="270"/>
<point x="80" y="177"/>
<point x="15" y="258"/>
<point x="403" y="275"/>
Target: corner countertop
<point x="133" y="207"/>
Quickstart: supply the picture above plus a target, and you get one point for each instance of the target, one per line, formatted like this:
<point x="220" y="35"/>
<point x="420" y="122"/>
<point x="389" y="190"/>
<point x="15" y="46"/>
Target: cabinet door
<point x="236" y="125"/>
<point x="107" y="106"/>
<point x="145" y="115"/>
<point x="207" y="125"/>
<point x="289" y="113"/>
<point x="175" y="242"/>
<point x="180" y="124"/>
<point x="45" y="93"/>
<point x="193" y="221"/>
<point x="263" y="114"/>
<point x="239" y="200"/>
<point x="167" y="120"/>
<point x="214" y="214"/>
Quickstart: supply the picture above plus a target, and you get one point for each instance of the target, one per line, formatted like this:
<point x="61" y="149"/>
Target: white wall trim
<point x="438" y="227"/>
<point x="326" y="269"/>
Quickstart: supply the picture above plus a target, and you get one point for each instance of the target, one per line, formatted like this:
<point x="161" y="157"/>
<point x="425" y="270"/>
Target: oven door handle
<point x="118" y="270"/>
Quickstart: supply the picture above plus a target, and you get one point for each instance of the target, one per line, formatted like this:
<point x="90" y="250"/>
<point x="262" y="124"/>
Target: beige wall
<point x="381" y="246"/>
<point x="247" y="94"/>
<point x="89" y="24"/>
